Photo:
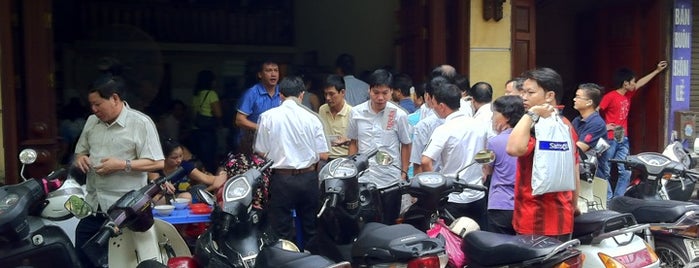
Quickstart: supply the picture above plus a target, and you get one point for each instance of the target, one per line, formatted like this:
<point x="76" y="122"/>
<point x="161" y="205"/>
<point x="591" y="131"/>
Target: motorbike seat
<point x="273" y="256"/>
<point x="482" y="246"/>
<point x="652" y="211"/>
<point x="379" y="243"/>
<point x="593" y="223"/>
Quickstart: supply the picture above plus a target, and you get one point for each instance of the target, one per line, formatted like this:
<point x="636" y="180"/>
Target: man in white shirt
<point x="117" y="148"/>
<point x="424" y="128"/>
<point x="380" y="124"/>
<point x="292" y="136"/>
<point x="454" y="144"/>
<point x="482" y="96"/>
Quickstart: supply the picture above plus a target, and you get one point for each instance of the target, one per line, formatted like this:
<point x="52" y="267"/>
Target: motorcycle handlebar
<point x="178" y="172"/>
<point x="476" y="187"/>
<point x="57" y="174"/>
<point x="103" y="236"/>
<point x="267" y="165"/>
<point x="617" y="161"/>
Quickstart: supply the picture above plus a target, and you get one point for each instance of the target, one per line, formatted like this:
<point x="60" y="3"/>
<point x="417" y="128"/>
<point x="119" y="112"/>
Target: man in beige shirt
<point x="334" y="115"/>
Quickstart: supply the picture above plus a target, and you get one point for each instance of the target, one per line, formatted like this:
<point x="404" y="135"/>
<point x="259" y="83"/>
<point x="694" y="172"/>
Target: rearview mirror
<point x="78" y="207"/>
<point x="206" y="197"/>
<point x="485" y="157"/>
<point x="27" y="156"/>
<point x="383" y="158"/>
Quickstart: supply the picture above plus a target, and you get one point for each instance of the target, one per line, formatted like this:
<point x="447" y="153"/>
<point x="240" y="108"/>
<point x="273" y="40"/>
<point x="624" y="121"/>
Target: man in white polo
<point x="454" y="144"/>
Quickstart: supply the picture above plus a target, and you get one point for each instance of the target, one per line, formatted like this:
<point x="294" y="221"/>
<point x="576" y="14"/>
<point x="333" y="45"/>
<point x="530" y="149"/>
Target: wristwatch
<point x="128" y="166"/>
<point x="533" y="115"/>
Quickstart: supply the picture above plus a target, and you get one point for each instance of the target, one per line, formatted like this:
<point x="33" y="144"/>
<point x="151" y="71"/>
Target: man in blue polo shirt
<point x="255" y="101"/>
<point x="589" y="124"/>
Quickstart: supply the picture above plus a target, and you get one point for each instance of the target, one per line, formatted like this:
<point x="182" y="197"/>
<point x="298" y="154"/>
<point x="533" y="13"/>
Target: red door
<point x="632" y="35"/>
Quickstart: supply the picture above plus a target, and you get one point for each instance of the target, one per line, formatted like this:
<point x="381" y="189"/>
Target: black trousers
<point x="299" y="192"/>
<point x="500" y="221"/>
<point x="475" y="210"/>
<point x="86" y="228"/>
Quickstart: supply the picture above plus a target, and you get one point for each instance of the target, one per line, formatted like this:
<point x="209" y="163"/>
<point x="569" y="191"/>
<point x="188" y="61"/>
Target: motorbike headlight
<point x="236" y="189"/>
<point x="430" y="178"/>
<point x="338" y="168"/>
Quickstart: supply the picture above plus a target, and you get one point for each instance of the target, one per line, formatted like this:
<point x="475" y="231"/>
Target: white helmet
<point x="463" y="226"/>
<point x="55" y="209"/>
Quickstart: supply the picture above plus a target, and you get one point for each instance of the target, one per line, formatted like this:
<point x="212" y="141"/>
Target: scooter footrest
<point x="591" y="224"/>
<point x="482" y="247"/>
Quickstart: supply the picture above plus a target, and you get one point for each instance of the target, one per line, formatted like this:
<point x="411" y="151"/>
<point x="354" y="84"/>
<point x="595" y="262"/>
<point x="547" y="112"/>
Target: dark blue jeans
<point x="617" y="150"/>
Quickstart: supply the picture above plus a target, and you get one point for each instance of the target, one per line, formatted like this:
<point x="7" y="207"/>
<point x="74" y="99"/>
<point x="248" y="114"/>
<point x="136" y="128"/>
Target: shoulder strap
<point x="204" y="99"/>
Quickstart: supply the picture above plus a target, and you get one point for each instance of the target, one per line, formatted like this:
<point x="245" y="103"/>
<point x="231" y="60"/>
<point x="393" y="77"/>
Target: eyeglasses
<point x="580" y="98"/>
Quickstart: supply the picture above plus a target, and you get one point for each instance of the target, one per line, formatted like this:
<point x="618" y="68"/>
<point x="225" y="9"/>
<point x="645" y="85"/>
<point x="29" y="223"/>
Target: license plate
<point x="693" y="247"/>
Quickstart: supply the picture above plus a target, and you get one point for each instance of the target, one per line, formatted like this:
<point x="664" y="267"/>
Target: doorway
<point x="587" y="41"/>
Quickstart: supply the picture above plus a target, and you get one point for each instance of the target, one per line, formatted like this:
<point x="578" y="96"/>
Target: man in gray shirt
<point x="356" y="91"/>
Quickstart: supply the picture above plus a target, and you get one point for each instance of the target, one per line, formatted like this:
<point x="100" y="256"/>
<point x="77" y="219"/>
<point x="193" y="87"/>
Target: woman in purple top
<point x="507" y="110"/>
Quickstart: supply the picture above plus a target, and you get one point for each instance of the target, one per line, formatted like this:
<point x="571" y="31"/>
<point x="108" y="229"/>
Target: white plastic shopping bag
<point x="554" y="162"/>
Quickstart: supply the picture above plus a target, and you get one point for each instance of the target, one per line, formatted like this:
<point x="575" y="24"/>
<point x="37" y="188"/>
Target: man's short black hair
<point x="336" y="81"/>
<point x="107" y="85"/>
<point x="346" y="63"/>
<point x="403" y="83"/>
<point x="623" y="75"/>
<point x="548" y="79"/>
<point x="380" y="77"/>
<point x="448" y="94"/>
<point x="291" y="86"/>
<point x="482" y="92"/>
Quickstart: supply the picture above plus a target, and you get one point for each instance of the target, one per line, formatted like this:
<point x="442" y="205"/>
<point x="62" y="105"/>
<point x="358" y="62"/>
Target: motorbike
<point x="136" y="238"/>
<point x="674" y="186"/>
<point x="236" y="237"/>
<point x="349" y="221"/>
<point x="674" y="225"/>
<point x="432" y="190"/>
<point x="608" y="238"/>
<point x="25" y="239"/>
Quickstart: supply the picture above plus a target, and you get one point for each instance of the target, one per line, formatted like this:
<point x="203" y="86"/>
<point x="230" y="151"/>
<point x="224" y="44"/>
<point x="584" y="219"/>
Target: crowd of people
<point x="439" y="125"/>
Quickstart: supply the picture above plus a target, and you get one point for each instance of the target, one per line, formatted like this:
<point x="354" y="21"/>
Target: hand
<point x="611" y="126"/>
<point x="340" y="141"/>
<point x="82" y="162"/>
<point x="169" y="188"/>
<point x="661" y="66"/>
<point x="544" y="110"/>
<point x="219" y="180"/>
<point x="110" y="165"/>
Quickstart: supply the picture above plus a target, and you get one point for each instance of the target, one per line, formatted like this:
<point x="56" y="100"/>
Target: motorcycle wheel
<point x="670" y="256"/>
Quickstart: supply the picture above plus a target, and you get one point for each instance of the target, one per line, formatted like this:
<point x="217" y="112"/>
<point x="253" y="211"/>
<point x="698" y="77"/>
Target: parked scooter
<point x="674" y="185"/>
<point x="608" y="238"/>
<point x="674" y="224"/>
<point x="135" y="237"/>
<point x="236" y="238"/>
<point x="349" y="227"/>
<point x="25" y="240"/>
<point x="432" y="190"/>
